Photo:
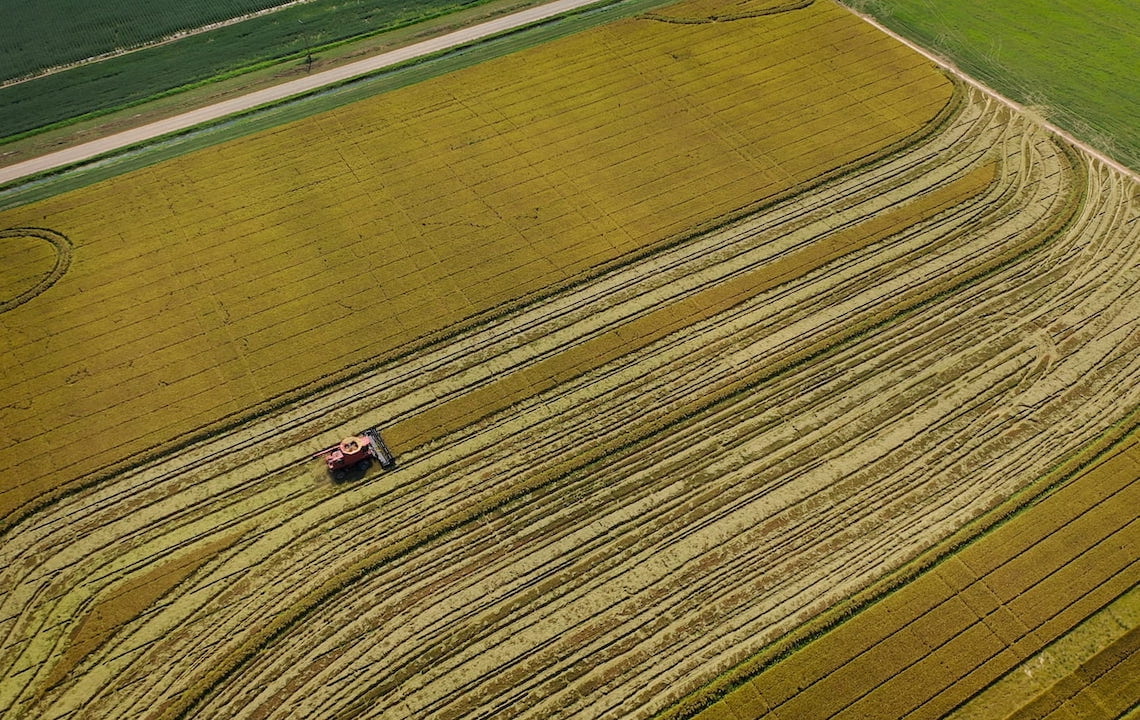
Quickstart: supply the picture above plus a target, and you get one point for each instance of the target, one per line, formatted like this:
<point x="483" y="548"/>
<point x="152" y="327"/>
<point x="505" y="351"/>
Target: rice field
<point x="50" y="33"/>
<point x="227" y="289"/>
<point x="690" y="335"/>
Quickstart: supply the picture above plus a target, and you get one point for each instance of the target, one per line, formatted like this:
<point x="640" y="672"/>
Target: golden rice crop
<point x="835" y="403"/>
<point x="230" y="278"/>
<point x="640" y="332"/>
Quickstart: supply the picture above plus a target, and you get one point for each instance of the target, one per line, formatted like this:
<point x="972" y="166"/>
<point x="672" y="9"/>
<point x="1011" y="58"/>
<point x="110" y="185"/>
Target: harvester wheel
<point x="364" y="464"/>
<point x="339" y="474"/>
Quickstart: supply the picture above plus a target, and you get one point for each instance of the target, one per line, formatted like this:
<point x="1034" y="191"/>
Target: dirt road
<point x="125" y="139"/>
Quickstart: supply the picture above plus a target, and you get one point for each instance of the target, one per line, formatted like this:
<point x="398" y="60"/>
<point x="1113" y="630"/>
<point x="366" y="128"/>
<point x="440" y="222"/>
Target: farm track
<point x="24" y="263"/>
<point x="608" y="547"/>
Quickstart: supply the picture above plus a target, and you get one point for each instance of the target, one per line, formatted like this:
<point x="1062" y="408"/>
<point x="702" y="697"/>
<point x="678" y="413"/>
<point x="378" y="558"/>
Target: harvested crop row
<point x="575" y="548"/>
<point x="217" y="284"/>
<point x="993" y="604"/>
<point x="487" y="556"/>
<point x="94" y="533"/>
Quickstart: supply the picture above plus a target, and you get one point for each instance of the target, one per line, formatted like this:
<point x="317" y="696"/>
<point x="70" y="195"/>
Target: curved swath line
<point x="63" y="252"/>
<point x="259" y="439"/>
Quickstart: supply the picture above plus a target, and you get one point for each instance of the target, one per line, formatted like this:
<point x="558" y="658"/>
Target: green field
<point x="49" y="33"/>
<point x="134" y="77"/>
<point x="1073" y="61"/>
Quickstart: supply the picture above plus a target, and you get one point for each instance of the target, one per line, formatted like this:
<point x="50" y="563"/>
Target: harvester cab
<point x="357" y="452"/>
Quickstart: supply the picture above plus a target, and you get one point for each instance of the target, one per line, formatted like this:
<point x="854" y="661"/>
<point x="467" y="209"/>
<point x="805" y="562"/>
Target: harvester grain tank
<point x="357" y="452"/>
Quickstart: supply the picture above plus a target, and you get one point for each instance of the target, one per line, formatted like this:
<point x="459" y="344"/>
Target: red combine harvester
<point x="357" y="451"/>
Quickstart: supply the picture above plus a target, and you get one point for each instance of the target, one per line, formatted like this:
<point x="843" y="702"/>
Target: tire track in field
<point x="358" y="526"/>
<point x="63" y="251"/>
<point x="417" y="645"/>
<point x="140" y="502"/>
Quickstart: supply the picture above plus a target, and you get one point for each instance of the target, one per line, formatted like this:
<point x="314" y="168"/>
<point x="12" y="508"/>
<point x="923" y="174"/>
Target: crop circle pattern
<point x="62" y="262"/>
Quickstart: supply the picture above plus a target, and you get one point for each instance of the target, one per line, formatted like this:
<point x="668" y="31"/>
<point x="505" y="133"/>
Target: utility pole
<point x="308" y="47"/>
